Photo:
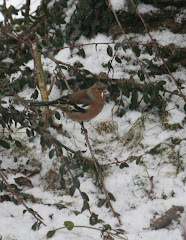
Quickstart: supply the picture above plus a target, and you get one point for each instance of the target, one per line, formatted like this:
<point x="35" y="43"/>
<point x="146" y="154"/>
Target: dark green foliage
<point x="89" y="18"/>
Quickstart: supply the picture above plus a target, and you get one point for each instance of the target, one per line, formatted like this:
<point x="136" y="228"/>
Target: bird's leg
<point x="83" y="129"/>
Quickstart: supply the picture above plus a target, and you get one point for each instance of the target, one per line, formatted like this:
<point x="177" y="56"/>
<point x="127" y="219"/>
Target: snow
<point x="118" y="5"/>
<point x="19" y="4"/>
<point x="142" y="191"/>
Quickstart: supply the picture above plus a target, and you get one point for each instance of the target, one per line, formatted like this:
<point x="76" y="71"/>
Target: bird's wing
<point x="68" y="106"/>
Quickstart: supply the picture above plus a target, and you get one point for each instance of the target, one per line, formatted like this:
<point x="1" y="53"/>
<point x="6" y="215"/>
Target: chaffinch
<point x="82" y="105"/>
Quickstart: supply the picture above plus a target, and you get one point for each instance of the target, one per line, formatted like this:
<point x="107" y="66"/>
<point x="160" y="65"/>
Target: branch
<point x="99" y="172"/>
<point x="157" y="51"/>
<point x="127" y="40"/>
<point x="20" y="199"/>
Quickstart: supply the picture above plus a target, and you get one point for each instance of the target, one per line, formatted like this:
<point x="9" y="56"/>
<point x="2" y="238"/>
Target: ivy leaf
<point x="69" y="225"/>
<point x="109" y="51"/>
<point x="4" y="144"/>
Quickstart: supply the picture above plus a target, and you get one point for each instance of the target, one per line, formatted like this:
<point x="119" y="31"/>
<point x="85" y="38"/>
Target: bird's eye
<point x="100" y="89"/>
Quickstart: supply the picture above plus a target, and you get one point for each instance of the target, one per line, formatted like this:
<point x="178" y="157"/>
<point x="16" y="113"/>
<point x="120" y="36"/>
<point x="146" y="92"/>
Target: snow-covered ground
<point x="143" y="192"/>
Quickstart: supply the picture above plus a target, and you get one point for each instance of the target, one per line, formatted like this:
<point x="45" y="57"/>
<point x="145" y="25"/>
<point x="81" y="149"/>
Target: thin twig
<point x="127" y="40"/>
<point x="99" y="172"/>
<point x="20" y="199"/>
<point x="157" y="51"/>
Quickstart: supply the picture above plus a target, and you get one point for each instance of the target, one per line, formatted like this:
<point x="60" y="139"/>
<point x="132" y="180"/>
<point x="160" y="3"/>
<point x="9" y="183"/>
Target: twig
<point x="99" y="172"/>
<point x="20" y="199"/>
<point x="127" y="40"/>
<point x="157" y="51"/>
<point x="51" y="86"/>
<point x="102" y="43"/>
<point x="64" y="78"/>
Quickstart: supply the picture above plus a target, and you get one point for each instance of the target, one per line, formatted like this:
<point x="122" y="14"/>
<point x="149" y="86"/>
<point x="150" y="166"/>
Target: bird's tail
<point x="38" y="104"/>
<point x="63" y="103"/>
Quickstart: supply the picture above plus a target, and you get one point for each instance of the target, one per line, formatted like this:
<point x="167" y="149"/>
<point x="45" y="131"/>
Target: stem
<point x="97" y="229"/>
<point x="99" y="172"/>
<point x="20" y="199"/>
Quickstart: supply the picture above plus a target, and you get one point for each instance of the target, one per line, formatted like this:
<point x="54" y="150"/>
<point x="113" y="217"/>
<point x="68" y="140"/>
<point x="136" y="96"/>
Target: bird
<point x="82" y="105"/>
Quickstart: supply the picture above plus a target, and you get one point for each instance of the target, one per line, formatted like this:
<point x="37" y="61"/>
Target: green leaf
<point x="2" y="186"/>
<point x="134" y="98"/>
<point x="87" y="72"/>
<point x="18" y="144"/>
<point x="28" y="132"/>
<point x="64" y="3"/>
<point x="118" y="60"/>
<point x="137" y="51"/>
<point x="109" y="51"/>
<point x="123" y="165"/>
<point x="110" y="65"/>
<point x="51" y="153"/>
<point x="36" y="226"/>
<point x="85" y="206"/>
<point x="94" y="219"/>
<point x="141" y="75"/>
<point x="41" y="123"/>
<point x="149" y="50"/>
<point x="138" y="160"/>
<point x="42" y="141"/>
<point x="76" y="182"/>
<point x="82" y="53"/>
<point x="59" y="206"/>
<point x="99" y="4"/>
<point x="84" y="196"/>
<point x="69" y="225"/>
<point x="50" y="120"/>
<point x="101" y="202"/>
<point x="131" y="7"/>
<point x="72" y="190"/>
<point x="107" y="226"/>
<point x="51" y="233"/>
<point x="111" y="196"/>
<point x="4" y="144"/>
